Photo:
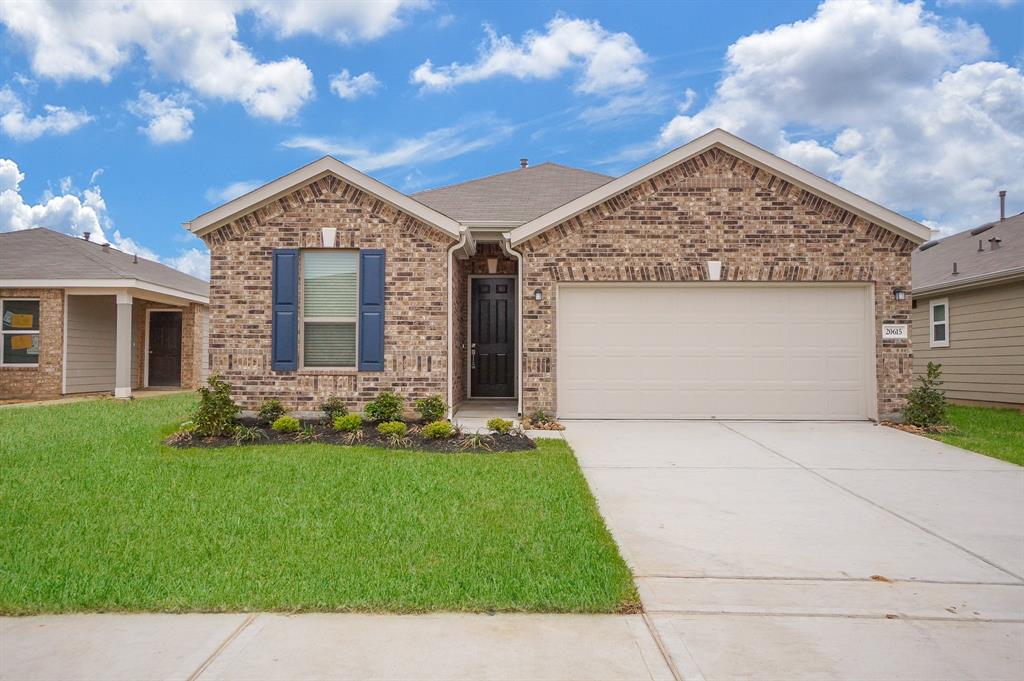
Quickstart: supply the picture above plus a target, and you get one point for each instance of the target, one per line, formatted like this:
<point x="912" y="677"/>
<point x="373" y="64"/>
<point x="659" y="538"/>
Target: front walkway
<point x="815" y="550"/>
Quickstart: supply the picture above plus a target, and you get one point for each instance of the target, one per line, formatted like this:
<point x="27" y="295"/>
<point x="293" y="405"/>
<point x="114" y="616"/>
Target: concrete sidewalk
<point x="329" y="646"/>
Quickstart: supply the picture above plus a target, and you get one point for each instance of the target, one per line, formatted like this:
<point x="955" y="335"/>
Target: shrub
<point x="438" y="430"/>
<point x="270" y="411"/>
<point x="307" y="434"/>
<point x="477" y="441"/>
<point x="245" y="434"/>
<point x="540" y="416"/>
<point x="392" y="429"/>
<point x="333" y="407"/>
<point x="286" y="424"/>
<point x="216" y="413"/>
<point x="432" y="409"/>
<point x="349" y="423"/>
<point x="500" y="426"/>
<point x="387" y="407"/>
<point x="926" y="404"/>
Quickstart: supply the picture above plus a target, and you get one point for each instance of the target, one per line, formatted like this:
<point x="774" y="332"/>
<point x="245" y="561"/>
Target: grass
<point x="97" y="515"/>
<point x="998" y="433"/>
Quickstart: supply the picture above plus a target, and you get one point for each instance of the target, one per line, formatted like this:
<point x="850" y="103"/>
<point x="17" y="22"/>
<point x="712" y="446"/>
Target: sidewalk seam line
<point x="220" y="649"/>
<point x="665" y="655"/>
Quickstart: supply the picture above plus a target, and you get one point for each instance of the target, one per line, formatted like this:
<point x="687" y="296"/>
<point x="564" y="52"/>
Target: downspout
<point x="463" y="232"/>
<point x="506" y="245"/>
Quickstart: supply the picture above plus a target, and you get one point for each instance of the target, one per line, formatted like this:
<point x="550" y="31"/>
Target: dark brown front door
<point x="164" y="349"/>
<point x="492" y="366"/>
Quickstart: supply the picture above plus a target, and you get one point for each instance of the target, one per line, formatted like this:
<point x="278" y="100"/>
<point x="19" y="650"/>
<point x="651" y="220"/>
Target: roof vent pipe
<point x="525" y="162"/>
<point x="980" y="249"/>
<point x="135" y="258"/>
<point x="1002" y="205"/>
<point x="954" y="268"/>
<point x="993" y="243"/>
<point x="86" y="235"/>
<point x="106" y="248"/>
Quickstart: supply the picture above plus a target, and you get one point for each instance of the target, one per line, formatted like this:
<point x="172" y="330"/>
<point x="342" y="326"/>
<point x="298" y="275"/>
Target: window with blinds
<point x="330" y="301"/>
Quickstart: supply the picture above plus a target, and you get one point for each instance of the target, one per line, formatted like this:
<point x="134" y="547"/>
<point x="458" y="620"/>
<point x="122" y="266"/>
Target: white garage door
<point x="715" y="351"/>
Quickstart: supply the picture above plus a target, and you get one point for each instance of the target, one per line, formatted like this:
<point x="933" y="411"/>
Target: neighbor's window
<point x="330" y="295"/>
<point x="20" y="332"/>
<point x="939" y="337"/>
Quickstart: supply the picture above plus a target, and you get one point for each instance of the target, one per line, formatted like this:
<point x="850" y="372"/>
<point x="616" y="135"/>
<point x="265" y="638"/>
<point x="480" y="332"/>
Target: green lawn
<point x="96" y="514"/>
<point x="995" y="432"/>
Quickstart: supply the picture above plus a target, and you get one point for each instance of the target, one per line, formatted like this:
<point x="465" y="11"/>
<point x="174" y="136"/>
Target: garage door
<point x="715" y="351"/>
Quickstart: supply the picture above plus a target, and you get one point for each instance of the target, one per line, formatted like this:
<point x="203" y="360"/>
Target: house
<point x="84" y="317"/>
<point x="969" y="311"/>
<point x="717" y="281"/>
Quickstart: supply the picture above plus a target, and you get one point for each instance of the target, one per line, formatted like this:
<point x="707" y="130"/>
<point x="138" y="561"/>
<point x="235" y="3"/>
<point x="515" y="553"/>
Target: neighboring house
<point x="969" y="311"/>
<point x="81" y="317"/>
<point x="718" y="281"/>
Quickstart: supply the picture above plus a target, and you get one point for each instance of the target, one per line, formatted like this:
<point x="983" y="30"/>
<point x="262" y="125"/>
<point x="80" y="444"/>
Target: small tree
<point x="926" y="404"/>
<point x="217" y="412"/>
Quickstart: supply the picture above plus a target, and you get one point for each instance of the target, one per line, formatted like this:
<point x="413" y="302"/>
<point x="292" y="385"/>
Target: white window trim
<point x="324" y="320"/>
<point x="932" y="304"/>
<point x="16" y="332"/>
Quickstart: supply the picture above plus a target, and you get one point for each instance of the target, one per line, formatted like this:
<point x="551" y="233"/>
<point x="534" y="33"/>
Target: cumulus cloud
<point x="607" y="62"/>
<point x="344" y="22"/>
<point x="916" y="121"/>
<point x="19" y="124"/>
<point x="351" y="87"/>
<point x="232" y="190"/>
<point x="169" y="118"/>
<point x="76" y="212"/>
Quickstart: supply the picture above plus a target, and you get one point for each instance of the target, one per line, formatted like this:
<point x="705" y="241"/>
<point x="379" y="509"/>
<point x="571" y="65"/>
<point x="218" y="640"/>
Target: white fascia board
<point x="719" y="138"/>
<point x="328" y="165"/>
<point x="116" y="284"/>
<point x="987" y="279"/>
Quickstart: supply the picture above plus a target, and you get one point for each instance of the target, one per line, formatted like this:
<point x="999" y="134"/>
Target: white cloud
<point x="608" y="62"/>
<point x="955" y="3"/>
<point x="231" y="191"/>
<point x="341" y="21"/>
<point x="16" y="122"/>
<point x="913" y="120"/>
<point x="436" y="145"/>
<point x="76" y="212"/>
<point x="350" y="87"/>
<point x="170" y="118"/>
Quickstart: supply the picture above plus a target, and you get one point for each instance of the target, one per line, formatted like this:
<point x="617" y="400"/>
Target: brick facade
<point x="416" y="301"/>
<point x="715" y="207"/>
<point x="45" y="380"/>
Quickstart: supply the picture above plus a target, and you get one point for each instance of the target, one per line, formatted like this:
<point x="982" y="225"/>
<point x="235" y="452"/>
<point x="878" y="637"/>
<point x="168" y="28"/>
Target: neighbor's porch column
<point x="123" y="360"/>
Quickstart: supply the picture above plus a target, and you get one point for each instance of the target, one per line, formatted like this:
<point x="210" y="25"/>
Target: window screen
<point x="330" y="298"/>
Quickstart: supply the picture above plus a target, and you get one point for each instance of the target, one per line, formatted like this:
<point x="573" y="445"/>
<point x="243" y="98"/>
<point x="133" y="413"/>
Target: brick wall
<point x="416" y="309"/>
<point x="44" y="381"/>
<point x="718" y="207"/>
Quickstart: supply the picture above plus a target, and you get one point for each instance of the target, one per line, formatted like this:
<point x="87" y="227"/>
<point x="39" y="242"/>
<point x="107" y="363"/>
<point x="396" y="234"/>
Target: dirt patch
<point x="918" y="430"/>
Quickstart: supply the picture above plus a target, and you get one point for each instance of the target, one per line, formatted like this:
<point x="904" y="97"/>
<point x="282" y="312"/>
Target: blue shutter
<point x="371" y="309"/>
<point x="284" y="324"/>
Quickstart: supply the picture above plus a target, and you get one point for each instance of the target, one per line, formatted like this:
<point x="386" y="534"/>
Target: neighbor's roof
<point x="44" y="255"/>
<point x="509" y="199"/>
<point x="932" y="264"/>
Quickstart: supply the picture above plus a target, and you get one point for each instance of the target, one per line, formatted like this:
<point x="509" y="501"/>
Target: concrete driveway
<point x="815" y="550"/>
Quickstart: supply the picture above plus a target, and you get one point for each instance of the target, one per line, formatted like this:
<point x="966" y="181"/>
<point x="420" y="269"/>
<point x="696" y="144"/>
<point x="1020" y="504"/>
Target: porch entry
<point x="492" y="348"/>
<point x="164" y="358"/>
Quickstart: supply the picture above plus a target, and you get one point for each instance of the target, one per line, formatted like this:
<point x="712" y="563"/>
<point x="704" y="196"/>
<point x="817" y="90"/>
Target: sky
<point x="127" y="119"/>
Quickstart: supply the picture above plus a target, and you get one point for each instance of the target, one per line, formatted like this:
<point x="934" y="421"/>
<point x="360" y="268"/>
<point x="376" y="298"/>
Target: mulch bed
<point x="917" y="430"/>
<point x="325" y="434"/>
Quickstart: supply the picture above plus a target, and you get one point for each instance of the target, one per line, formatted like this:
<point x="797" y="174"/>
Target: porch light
<point x="327" y="235"/>
<point x="714" y="270"/>
<point x="492" y="265"/>
<point x="899" y="294"/>
<point x="538" y="295"/>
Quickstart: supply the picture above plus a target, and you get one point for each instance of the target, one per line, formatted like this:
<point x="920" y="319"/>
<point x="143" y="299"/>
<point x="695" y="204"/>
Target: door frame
<point x="145" y="351"/>
<point x="469" y="334"/>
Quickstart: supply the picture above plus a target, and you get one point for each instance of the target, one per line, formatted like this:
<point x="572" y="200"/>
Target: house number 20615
<point x="894" y="332"/>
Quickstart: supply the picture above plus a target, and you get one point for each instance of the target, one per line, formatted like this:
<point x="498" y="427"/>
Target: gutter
<point x="506" y="245"/>
<point x="463" y="235"/>
<point x="969" y="282"/>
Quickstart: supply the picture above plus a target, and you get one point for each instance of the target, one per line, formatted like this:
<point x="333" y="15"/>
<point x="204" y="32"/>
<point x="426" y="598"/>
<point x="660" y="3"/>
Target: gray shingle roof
<point x="932" y="265"/>
<point x="44" y="254"/>
<point x="514" y="197"/>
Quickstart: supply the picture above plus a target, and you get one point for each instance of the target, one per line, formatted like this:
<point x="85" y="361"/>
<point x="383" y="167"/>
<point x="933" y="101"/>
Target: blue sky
<point x="130" y="119"/>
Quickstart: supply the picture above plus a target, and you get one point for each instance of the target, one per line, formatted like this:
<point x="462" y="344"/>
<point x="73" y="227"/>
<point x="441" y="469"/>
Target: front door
<point x="164" y="349"/>
<point x="492" y="366"/>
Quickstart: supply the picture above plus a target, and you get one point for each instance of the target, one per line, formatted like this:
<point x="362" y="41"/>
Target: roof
<point x="932" y="264"/>
<point x="721" y="139"/>
<point x="41" y="254"/>
<point x="512" y="198"/>
<point x="328" y="165"/>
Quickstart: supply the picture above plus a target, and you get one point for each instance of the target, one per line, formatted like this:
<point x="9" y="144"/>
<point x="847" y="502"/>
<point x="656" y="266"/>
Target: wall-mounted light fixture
<point x="538" y="295"/>
<point x="899" y="294"/>
<point x="327" y="236"/>
<point x="492" y="265"/>
<point x="714" y="270"/>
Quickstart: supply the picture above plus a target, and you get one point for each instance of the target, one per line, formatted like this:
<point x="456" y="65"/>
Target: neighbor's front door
<point x="164" y="349"/>
<point x="492" y="337"/>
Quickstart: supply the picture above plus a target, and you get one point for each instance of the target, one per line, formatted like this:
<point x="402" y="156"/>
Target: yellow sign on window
<point x="21" y="342"/>
<point x="21" y="321"/>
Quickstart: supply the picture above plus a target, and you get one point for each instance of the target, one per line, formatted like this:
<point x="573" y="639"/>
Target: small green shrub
<point x="392" y="429"/>
<point x="432" y="409"/>
<point x="333" y="407"/>
<point x="500" y="426"/>
<point x="216" y="413"/>
<point x="926" y="404"/>
<point x="286" y="424"/>
<point x="541" y="417"/>
<point x="349" y="423"/>
<point x="438" y="430"/>
<point x="244" y="434"/>
<point x="270" y="411"/>
<point x="387" y="407"/>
